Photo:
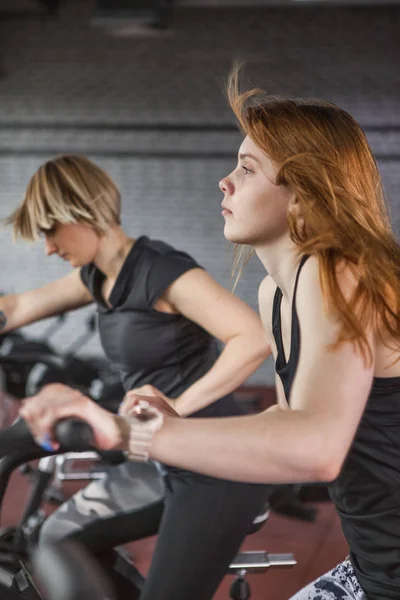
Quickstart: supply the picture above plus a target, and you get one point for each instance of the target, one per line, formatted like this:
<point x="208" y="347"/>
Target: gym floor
<point x="317" y="546"/>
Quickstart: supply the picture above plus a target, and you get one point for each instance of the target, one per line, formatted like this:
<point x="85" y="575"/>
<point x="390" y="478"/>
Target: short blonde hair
<point x="67" y="189"/>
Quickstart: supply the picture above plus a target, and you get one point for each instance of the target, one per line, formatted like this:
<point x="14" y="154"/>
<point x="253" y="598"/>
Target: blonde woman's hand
<point x="149" y="394"/>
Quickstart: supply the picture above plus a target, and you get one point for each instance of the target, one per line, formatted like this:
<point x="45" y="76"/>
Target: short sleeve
<point x="87" y="274"/>
<point x="166" y="269"/>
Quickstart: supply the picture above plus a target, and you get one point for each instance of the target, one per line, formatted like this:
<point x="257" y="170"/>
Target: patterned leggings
<point x="339" y="584"/>
<point x="200" y="521"/>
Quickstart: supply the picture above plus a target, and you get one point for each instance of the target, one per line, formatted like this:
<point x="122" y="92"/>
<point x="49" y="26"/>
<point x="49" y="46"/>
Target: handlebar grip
<point x="74" y="434"/>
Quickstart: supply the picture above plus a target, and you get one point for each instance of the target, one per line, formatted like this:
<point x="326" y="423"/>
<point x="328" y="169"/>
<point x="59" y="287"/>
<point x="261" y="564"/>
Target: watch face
<point x="140" y="411"/>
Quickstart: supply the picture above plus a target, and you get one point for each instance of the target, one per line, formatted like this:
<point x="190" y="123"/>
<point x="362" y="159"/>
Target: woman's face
<point x="73" y="242"/>
<point x="254" y="207"/>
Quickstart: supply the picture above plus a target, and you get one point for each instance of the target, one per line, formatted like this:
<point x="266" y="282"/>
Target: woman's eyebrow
<point x="249" y="155"/>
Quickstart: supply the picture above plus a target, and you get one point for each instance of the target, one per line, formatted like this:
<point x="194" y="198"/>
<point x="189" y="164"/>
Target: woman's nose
<point x="225" y="186"/>
<point x="50" y="247"/>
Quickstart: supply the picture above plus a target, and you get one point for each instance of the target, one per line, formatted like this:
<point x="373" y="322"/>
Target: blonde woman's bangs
<point x="68" y="189"/>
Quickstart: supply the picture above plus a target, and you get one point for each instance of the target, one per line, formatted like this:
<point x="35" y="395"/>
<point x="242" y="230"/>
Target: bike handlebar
<point x="72" y="434"/>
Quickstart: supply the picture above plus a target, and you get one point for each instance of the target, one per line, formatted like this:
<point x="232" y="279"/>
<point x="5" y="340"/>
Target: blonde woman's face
<point x="254" y="207"/>
<point x="73" y="242"/>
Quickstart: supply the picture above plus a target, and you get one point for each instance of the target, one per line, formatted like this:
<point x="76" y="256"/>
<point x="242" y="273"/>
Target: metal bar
<point x="260" y="561"/>
<point x="64" y="471"/>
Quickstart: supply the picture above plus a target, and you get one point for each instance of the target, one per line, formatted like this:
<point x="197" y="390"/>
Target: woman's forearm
<point x="274" y="447"/>
<point x="241" y="356"/>
<point x="7" y="308"/>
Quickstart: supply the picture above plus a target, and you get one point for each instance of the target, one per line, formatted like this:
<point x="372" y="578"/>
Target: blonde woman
<point x="159" y="314"/>
<point x="306" y="195"/>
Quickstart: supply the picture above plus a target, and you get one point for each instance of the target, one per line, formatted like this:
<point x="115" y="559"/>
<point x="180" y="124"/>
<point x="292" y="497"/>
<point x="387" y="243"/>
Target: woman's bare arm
<point x="308" y="442"/>
<point x="64" y="294"/>
<point x="201" y="299"/>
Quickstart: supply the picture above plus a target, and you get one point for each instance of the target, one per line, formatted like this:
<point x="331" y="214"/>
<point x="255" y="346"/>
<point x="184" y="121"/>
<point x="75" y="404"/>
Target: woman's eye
<point x="47" y="232"/>
<point x="246" y="170"/>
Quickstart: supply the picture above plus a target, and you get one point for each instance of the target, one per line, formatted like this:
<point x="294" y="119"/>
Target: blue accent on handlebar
<point x="46" y="443"/>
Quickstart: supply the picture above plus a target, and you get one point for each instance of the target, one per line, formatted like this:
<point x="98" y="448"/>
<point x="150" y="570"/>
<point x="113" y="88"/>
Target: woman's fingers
<point x="127" y="404"/>
<point x="152" y="394"/>
<point x="51" y="404"/>
<point x="56" y="402"/>
<point x="158" y="402"/>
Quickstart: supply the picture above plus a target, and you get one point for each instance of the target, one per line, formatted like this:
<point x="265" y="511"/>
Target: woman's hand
<point x="57" y="401"/>
<point x="150" y="394"/>
<point x="276" y="408"/>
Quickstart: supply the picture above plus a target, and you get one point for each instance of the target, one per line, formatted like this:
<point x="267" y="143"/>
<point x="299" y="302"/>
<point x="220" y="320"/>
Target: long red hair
<point x="323" y="155"/>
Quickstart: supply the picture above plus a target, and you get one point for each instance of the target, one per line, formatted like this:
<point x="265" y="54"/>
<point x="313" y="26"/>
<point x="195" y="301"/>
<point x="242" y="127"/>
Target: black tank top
<point x="367" y="492"/>
<point x="147" y="346"/>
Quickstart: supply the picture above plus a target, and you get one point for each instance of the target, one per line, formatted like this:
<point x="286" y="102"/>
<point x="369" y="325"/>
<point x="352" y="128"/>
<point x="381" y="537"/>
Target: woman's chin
<point x="78" y="262"/>
<point x="234" y="237"/>
<point x="74" y="263"/>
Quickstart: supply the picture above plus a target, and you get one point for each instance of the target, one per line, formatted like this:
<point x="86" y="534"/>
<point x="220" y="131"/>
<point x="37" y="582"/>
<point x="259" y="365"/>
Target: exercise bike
<point x="19" y="354"/>
<point x="29" y="364"/>
<point x="66" y="571"/>
<point x="16" y="544"/>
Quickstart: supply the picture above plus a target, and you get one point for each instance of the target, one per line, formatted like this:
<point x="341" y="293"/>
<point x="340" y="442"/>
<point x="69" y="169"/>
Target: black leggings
<point x="201" y="523"/>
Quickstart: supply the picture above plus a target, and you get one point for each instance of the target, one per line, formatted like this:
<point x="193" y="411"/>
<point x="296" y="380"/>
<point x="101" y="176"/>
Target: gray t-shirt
<point x="147" y="346"/>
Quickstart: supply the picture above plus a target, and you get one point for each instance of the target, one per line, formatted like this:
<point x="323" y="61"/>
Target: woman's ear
<point x="295" y="209"/>
<point x="294" y="204"/>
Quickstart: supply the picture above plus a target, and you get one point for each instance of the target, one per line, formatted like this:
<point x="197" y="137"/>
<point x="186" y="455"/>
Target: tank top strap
<point x="301" y="265"/>
<point x="276" y="318"/>
<point x="295" y="328"/>
<point x="276" y="321"/>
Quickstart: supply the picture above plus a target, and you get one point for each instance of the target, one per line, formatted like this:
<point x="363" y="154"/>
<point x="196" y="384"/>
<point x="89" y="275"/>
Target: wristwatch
<point x="144" y="422"/>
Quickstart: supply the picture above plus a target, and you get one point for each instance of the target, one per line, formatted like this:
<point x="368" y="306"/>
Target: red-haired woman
<point x="306" y="195"/>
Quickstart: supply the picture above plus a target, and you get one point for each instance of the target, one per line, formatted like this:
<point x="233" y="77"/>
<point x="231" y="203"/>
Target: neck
<point x="280" y="259"/>
<point x="114" y="247"/>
